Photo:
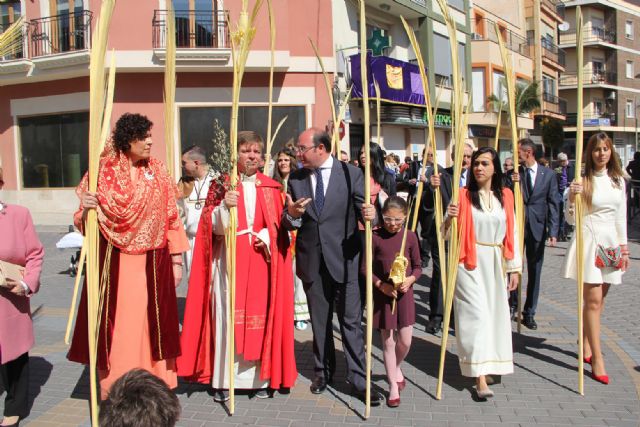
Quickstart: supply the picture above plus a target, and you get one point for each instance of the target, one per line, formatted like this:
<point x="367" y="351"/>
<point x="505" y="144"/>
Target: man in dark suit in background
<point x="565" y="172"/>
<point x="428" y="224"/>
<point x="325" y="202"/>
<point x="540" y="196"/>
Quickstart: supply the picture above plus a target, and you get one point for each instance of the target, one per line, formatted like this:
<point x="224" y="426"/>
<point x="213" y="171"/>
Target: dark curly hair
<point x="130" y="127"/>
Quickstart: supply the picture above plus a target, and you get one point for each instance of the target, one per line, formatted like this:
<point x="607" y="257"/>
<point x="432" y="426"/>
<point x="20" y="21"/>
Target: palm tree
<point x="527" y="100"/>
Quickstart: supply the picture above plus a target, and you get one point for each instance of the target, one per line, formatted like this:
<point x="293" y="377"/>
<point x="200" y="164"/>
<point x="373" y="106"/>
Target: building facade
<point x="611" y="64"/>
<point x="393" y="61"/>
<point x="488" y="72"/>
<point x="44" y="99"/>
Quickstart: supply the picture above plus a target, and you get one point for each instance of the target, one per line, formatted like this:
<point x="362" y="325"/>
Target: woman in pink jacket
<point x="19" y="245"/>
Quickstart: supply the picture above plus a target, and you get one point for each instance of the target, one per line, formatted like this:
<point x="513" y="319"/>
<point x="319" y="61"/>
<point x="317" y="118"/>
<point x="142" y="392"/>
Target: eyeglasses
<point x="301" y="149"/>
<point x="391" y="220"/>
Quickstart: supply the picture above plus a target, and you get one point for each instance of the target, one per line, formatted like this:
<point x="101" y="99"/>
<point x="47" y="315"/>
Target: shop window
<point x="197" y="124"/>
<point x="54" y="149"/>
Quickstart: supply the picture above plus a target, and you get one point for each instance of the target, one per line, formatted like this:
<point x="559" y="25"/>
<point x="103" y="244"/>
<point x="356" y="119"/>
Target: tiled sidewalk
<point x="542" y="390"/>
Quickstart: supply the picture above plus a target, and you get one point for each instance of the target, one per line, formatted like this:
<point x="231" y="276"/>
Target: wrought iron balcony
<point x="61" y="33"/>
<point x="554" y="104"/>
<point x="552" y="52"/>
<point x="18" y="51"/>
<point x="590" y="35"/>
<point x="589" y="78"/>
<point x="513" y="41"/>
<point x="194" y="29"/>
<point x="555" y="5"/>
<point x="592" y="120"/>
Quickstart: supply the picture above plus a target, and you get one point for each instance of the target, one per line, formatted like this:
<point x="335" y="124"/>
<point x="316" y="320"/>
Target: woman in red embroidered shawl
<point x="489" y="263"/>
<point x="142" y="240"/>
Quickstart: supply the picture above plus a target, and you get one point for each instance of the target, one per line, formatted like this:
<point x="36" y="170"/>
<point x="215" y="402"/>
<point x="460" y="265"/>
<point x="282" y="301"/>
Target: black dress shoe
<point x="530" y="323"/>
<point x="318" y="385"/>
<point x="433" y="326"/>
<point x="376" y="397"/>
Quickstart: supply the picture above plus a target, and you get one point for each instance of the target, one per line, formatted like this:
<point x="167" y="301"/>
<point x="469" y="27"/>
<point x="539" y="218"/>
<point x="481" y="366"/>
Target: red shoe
<point x="604" y="379"/>
<point x="401" y="385"/>
<point x="393" y="403"/>
<point x="588" y="360"/>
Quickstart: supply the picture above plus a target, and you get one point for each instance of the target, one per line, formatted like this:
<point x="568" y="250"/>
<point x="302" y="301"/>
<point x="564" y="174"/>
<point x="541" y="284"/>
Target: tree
<point x="552" y="134"/>
<point x="527" y="99"/>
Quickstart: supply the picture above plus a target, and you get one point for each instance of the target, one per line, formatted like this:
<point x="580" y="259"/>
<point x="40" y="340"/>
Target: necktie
<point x="529" y="180"/>
<point x="318" y="198"/>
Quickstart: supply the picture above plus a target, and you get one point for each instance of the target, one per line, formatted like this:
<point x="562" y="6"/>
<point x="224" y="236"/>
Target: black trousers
<point x="323" y="294"/>
<point x="534" y="250"/>
<point x="436" y="302"/>
<point x="15" y="380"/>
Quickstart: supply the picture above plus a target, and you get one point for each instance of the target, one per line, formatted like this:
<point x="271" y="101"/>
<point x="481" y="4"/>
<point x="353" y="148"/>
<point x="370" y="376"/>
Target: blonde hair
<point x="613" y="167"/>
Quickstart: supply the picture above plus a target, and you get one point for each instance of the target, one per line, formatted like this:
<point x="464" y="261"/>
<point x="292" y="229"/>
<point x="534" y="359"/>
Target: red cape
<point x="277" y="356"/>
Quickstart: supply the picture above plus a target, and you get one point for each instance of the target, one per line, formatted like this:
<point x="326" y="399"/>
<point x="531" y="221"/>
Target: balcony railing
<point x="552" y="52"/>
<point x="555" y="5"/>
<point x="18" y="50"/>
<point x="554" y="104"/>
<point x="513" y="41"/>
<point x="602" y="119"/>
<point x="444" y="81"/>
<point x="194" y="29"/>
<point x="589" y="78"/>
<point x="61" y="33"/>
<point x="590" y="35"/>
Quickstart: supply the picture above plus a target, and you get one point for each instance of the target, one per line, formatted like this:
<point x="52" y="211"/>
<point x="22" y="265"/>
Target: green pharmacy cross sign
<point x="378" y="42"/>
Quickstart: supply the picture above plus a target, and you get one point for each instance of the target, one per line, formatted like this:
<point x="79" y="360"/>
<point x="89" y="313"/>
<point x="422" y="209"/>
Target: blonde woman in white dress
<point x="605" y="224"/>
<point x="490" y="262"/>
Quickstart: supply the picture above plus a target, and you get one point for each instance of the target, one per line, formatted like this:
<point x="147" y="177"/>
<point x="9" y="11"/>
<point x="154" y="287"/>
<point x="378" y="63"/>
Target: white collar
<point x="534" y="168"/>
<point x="328" y="164"/>
<point x="251" y="178"/>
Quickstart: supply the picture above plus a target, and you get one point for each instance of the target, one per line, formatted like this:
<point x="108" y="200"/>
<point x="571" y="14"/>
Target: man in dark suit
<point x="565" y="172"/>
<point x="428" y="226"/>
<point x="412" y="177"/>
<point x="325" y="202"/>
<point x="540" y="194"/>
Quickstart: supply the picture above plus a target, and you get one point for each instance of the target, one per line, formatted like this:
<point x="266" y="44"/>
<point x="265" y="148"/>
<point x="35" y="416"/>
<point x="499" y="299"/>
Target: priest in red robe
<point x="264" y="342"/>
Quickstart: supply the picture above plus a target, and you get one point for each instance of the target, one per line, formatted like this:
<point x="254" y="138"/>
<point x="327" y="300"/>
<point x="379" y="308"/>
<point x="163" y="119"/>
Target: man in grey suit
<point x="325" y="202"/>
<point x="540" y="196"/>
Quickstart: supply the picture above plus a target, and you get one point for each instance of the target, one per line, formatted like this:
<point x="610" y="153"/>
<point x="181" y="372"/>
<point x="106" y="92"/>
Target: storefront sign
<point x="601" y="121"/>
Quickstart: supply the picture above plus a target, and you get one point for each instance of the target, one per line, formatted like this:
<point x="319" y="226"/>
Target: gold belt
<point x="494" y="245"/>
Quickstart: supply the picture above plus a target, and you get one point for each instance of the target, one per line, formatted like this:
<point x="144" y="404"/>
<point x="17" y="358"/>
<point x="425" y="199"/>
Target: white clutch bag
<point x="10" y="271"/>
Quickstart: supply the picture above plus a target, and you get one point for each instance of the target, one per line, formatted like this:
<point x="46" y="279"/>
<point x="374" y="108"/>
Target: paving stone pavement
<point x="542" y="391"/>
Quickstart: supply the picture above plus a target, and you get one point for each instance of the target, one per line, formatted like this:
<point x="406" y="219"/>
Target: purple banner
<point x="399" y="81"/>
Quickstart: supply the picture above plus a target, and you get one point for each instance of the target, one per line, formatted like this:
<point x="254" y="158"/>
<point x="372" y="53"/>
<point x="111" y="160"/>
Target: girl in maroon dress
<point x="396" y="329"/>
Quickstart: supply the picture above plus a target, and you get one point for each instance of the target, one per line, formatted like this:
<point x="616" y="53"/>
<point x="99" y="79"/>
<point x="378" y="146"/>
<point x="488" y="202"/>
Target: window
<point x="196" y="123"/>
<point x="200" y="23"/>
<point x="629" y="109"/>
<point x="9" y="13"/>
<point x="597" y="107"/>
<point x="629" y="70"/>
<point x="458" y="4"/>
<point x="628" y="29"/>
<point x="54" y="149"/>
<point x="499" y="86"/>
<point x="548" y="85"/>
<point x="478" y="96"/>
<point x="443" y="68"/>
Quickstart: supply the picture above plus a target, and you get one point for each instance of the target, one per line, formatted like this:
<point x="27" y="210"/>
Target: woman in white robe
<point x="604" y="223"/>
<point x="489" y="266"/>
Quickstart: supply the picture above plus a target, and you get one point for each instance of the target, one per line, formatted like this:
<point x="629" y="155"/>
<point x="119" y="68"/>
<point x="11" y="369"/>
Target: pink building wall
<point x="297" y="21"/>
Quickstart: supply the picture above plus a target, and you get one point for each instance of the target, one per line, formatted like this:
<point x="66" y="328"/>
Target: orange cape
<point x="467" y="233"/>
